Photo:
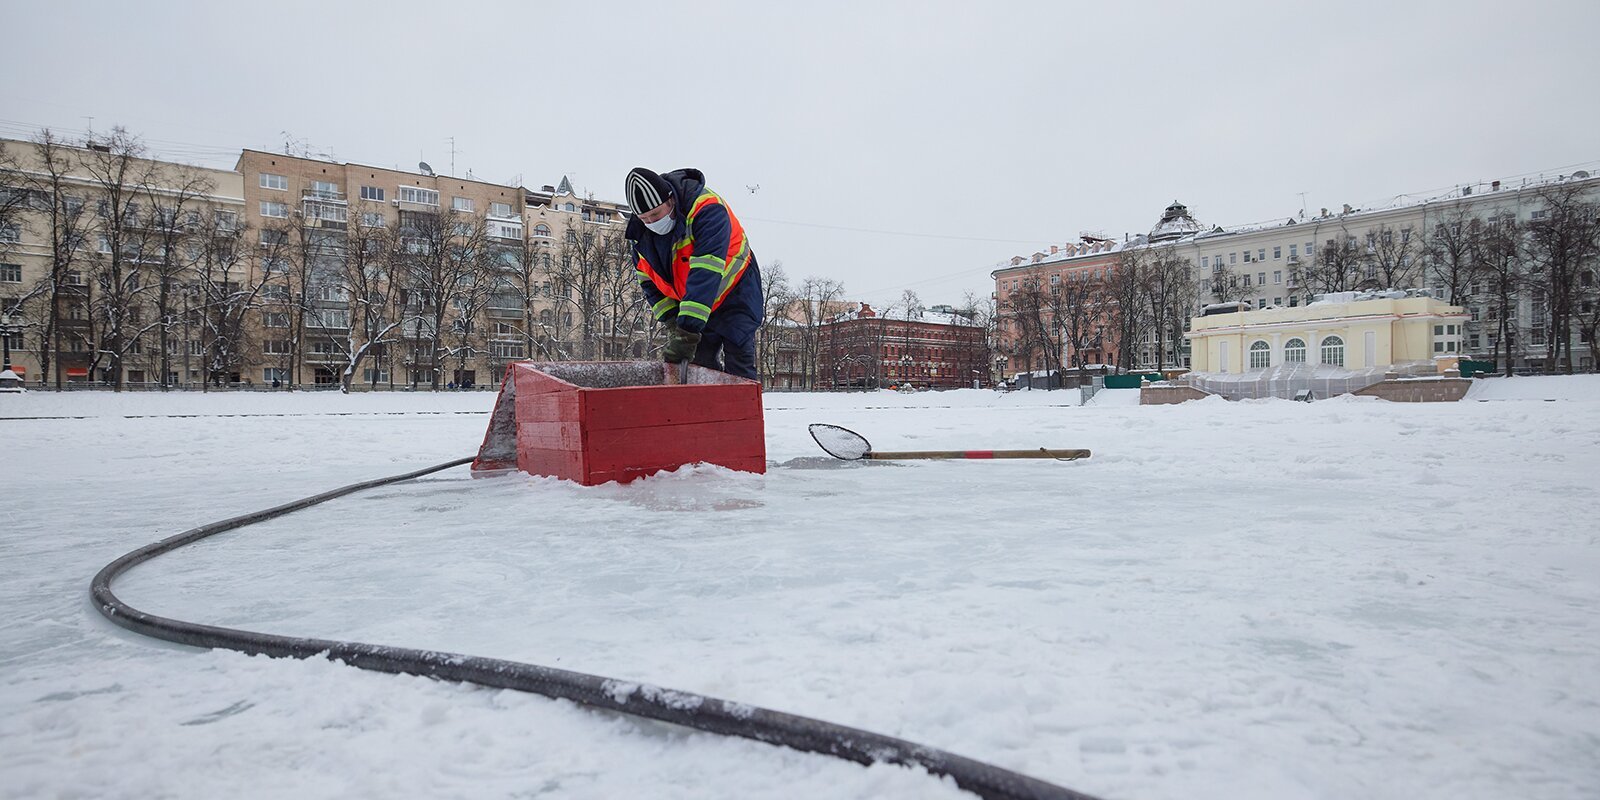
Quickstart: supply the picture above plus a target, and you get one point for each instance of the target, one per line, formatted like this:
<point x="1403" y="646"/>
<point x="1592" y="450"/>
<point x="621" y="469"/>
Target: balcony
<point x="501" y="312"/>
<point x="322" y="196"/>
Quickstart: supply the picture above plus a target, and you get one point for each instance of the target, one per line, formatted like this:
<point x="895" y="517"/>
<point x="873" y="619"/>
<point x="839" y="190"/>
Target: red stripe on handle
<point x="978" y="454"/>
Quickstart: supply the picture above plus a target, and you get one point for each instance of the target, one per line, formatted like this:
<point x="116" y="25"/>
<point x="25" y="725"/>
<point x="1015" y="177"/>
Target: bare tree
<point x="776" y="299"/>
<point x="373" y="274"/>
<point x="1499" y="254"/>
<point x="1225" y="285"/>
<point x="222" y="298"/>
<point x="1390" y="258"/>
<point x="819" y="299"/>
<point x="1451" y="250"/>
<point x="122" y="177"/>
<point x="1562" y="243"/>
<point x="1587" y="316"/>
<point x="1337" y="267"/>
<point x="587" y="265"/>
<point x="1167" y="283"/>
<point x="66" y="229"/>
<point x="1129" y="313"/>
<point x="447" y="255"/>
<point x="175" y="220"/>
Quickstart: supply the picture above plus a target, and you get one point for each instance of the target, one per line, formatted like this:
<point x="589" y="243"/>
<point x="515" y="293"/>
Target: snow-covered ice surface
<point x="1262" y="599"/>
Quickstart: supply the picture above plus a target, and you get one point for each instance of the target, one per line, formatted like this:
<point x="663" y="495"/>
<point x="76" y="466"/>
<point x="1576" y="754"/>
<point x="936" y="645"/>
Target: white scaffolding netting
<point x="1287" y="381"/>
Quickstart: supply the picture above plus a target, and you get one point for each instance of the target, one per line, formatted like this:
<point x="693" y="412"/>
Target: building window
<point x="370" y="375"/>
<point x="1294" y="351"/>
<point x="10" y="233"/>
<point x="462" y="204"/>
<point x="1474" y="342"/>
<point x="568" y="207"/>
<point x="1277" y="276"/>
<point x="271" y="181"/>
<point x="10" y="273"/>
<point x="1260" y="354"/>
<point x="541" y="230"/>
<point x="275" y="347"/>
<point x="328" y="318"/>
<point x="1233" y="258"/>
<point x="1277" y="252"/>
<point x="374" y="193"/>
<point x="274" y="238"/>
<point x="1261" y="279"/>
<point x="326" y="190"/>
<point x="1311" y="247"/>
<point x="418" y="195"/>
<point x="372" y="219"/>
<point x="1261" y="302"/>
<point x="274" y="374"/>
<point x="499" y="209"/>
<point x="271" y="209"/>
<point x="1333" y="351"/>
<point x="1246" y="278"/>
<point x="275" y="319"/>
<point x="1294" y="251"/>
<point x="1261" y="255"/>
<point x="1205" y="262"/>
<point x="505" y="350"/>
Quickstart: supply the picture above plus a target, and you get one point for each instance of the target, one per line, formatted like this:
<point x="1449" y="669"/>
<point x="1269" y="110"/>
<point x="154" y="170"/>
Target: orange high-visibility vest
<point x="730" y="265"/>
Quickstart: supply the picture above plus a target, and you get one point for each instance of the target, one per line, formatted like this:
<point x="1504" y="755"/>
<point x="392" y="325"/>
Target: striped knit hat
<point x="646" y="190"/>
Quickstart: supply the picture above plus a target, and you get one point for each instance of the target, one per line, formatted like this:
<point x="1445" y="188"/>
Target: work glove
<point x="681" y="345"/>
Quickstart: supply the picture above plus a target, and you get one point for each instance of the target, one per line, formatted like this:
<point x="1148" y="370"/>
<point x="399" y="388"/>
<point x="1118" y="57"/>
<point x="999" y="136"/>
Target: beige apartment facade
<point x="291" y="271"/>
<point x="424" y="323"/>
<point x="109" y="260"/>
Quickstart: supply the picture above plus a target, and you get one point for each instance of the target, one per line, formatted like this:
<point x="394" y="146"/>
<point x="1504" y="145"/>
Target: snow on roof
<point x="899" y="314"/>
<point x="1194" y="232"/>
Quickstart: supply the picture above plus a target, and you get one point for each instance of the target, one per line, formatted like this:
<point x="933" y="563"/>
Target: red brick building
<point x="928" y="349"/>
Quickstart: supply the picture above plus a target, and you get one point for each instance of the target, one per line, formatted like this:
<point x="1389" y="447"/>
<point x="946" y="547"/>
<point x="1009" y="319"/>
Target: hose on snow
<point x="682" y="708"/>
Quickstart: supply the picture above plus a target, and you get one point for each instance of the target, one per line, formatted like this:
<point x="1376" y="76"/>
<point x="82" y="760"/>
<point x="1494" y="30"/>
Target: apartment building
<point x="1036" y="295"/>
<point x="109" y="261"/>
<point x="1287" y="263"/>
<point x="313" y="218"/>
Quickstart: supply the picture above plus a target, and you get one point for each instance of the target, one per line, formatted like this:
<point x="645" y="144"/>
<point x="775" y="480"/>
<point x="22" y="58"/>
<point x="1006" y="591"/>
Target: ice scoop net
<point x="851" y="446"/>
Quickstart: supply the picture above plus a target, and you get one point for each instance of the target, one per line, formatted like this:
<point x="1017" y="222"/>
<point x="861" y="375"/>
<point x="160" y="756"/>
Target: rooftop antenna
<point x="1302" y="205"/>
<point x="453" y="152"/>
<point x="91" y="126"/>
<point x="753" y="189"/>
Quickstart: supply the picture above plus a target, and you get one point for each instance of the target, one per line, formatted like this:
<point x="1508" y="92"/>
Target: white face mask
<point x="662" y="226"/>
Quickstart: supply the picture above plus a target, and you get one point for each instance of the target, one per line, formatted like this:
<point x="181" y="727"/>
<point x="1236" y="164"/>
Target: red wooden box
<point x="599" y="421"/>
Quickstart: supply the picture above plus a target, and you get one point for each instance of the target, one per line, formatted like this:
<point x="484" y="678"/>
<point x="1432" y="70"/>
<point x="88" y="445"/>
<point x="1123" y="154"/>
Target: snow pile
<point x="1584" y="388"/>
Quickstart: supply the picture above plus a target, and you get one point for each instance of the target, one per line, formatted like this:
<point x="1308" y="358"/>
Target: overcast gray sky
<point x="896" y="144"/>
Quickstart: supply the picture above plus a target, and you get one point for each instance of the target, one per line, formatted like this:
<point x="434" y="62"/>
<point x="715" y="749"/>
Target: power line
<point x="896" y="233"/>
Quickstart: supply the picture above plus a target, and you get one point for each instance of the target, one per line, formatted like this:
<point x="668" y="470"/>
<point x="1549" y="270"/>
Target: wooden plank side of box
<point x="565" y="464"/>
<point x="737" y="444"/>
<point x="551" y="435"/>
<point x="655" y="406"/>
<point x="556" y="406"/>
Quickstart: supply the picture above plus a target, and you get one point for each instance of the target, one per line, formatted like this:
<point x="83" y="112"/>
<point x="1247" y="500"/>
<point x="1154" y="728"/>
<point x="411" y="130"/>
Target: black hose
<point x="668" y="705"/>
